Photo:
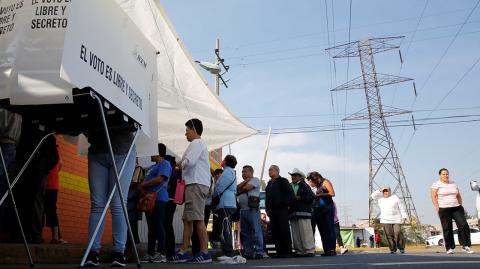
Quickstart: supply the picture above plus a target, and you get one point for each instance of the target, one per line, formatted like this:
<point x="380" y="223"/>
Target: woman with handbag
<point x="154" y="187"/>
<point x="224" y="201"/>
<point x="323" y="212"/>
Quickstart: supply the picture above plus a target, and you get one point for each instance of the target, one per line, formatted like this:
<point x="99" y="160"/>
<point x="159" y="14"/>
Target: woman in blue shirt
<point x="226" y="188"/>
<point x="157" y="181"/>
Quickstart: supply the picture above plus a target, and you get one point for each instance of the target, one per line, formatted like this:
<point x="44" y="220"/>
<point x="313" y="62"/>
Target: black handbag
<point x="253" y="201"/>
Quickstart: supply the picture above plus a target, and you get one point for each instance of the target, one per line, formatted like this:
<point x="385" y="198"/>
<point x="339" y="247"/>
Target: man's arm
<point x="192" y="154"/>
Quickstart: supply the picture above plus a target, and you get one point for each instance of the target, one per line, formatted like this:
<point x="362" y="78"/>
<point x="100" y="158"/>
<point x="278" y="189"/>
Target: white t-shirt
<point x="392" y="210"/>
<point x="447" y="194"/>
<point x="196" y="164"/>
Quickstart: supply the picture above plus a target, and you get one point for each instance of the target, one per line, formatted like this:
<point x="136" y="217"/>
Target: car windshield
<point x="262" y="200"/>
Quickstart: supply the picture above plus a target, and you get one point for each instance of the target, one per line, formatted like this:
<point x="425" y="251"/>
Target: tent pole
<point x="265" y="155"/>
<point x="7" y="178"/>
<point x="117" y="186"/>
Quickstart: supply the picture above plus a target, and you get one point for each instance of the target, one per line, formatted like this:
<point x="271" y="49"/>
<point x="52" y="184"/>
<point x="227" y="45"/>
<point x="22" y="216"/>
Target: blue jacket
<point x="228" y="198"/>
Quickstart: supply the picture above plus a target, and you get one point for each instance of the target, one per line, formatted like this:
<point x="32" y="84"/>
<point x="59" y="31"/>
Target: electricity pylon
<point x="384" y="163"/>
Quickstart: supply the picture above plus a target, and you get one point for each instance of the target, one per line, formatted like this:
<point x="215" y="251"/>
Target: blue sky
<point x="276" y="50"/>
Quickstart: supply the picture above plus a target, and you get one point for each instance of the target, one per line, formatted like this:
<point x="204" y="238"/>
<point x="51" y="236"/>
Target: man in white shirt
<point x="196" y="173"/>
<point x="392" y="215"/>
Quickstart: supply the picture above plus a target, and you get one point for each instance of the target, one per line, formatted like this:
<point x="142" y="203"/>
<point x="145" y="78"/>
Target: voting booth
<point x="74" y="67"/>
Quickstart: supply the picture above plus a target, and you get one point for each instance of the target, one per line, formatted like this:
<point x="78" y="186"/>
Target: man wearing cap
<point x="392" y="215"/>
<point x="300" y="214"/>
<point x="278" y="197"/>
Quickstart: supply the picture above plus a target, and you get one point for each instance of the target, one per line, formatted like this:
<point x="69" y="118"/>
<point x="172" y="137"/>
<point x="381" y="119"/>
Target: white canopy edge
<point x="183" y="93"/>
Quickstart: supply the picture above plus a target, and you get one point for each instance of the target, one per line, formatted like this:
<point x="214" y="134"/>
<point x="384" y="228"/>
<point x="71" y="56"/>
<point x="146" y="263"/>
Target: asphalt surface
<point x="428" y="258"/>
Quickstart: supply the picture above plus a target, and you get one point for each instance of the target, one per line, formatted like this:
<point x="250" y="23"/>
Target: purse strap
<point x="234" y="179"/>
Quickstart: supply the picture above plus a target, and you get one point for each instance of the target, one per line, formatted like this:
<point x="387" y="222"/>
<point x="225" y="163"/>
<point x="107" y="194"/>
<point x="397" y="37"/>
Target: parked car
<point x="437" y="240"/>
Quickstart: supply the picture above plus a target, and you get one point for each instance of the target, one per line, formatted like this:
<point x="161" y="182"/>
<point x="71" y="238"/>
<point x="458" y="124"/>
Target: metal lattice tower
<point x="384" y="164"/>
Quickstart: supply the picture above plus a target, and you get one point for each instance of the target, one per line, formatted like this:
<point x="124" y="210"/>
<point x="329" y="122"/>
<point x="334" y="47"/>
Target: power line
<point x="259" y="43"/>
<point x="334" y="114"/>
<point x="315" y="54"/>
<point x="262" y="132"/>
<point x="448" y="47"/>
<point x="455" y="86"/>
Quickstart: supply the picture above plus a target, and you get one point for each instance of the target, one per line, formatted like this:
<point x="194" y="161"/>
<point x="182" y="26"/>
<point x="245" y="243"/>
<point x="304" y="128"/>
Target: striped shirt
<point x="447" y="194"/>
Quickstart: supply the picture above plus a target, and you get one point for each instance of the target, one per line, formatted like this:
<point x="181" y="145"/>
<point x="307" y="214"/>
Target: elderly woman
<point x="392" y="215"/>
<point x="323" y="211"/>
<point x="226" y="189"/>
<point x="448" y="202"/>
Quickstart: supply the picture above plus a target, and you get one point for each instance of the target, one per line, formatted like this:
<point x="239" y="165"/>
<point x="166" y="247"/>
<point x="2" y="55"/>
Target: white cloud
<point x="288" y="152"/>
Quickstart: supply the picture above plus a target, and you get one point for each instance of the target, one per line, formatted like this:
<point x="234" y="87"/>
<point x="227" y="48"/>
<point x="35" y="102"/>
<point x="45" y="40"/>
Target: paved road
<point x="415" y="259"/>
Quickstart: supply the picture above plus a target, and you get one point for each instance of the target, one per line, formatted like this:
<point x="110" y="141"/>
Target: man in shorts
<point x="196" y="173"/>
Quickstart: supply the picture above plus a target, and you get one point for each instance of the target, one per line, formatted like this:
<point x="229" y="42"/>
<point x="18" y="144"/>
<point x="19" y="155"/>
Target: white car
<point x="437" y="240"/>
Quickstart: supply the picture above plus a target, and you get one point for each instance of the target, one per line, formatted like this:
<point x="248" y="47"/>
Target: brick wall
<point x="73" y="205"/>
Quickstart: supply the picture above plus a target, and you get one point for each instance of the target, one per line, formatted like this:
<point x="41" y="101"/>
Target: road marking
<point x="427" y="262"/>
<point x="369" y="264"/>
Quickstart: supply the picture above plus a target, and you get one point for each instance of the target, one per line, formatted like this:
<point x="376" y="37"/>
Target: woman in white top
<point x="392" y="215"/>
<point x="448" y="203"/>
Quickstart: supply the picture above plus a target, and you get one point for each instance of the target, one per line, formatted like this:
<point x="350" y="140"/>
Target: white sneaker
<point x="223" y="258"/>
<point x="468" y="250"/>
<point x="157" y="258"/>
<point x="146" y="259"/>
<point x="450" y="251"/>
<point x="343" y="250"/>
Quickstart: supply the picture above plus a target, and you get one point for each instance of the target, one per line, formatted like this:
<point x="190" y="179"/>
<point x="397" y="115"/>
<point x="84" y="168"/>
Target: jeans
<point x="156" y="230"/>
<point x="251" y="233"/>
<point x="458" y="214"/>
<point x="101" y="180"/>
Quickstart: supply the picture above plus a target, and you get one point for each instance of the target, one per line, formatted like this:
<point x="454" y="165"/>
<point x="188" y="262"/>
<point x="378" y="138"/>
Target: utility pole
<point x="217" y="62"/>
<point x="384" y="163"/>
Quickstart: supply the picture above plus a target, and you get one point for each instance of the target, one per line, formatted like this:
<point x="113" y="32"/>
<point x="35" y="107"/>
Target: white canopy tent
<point x="182" y="92"/>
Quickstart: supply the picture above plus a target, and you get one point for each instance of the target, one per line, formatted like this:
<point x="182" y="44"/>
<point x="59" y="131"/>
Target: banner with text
<point x="34" y="32"/>
<point x="105" y="50"/>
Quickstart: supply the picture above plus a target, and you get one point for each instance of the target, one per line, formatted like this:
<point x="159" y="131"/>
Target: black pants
<point x="156" y="231"/>
<point x="281" y="231"/>
<point x="195" y="239"/>
<point x="458" y="214"/>
<point x="136" y="238"/>
<point x="51" y="216"/>
<point x="338" y="235"/>
<point x="324" y="220"/>
<point x="226" y="237"/>
<point x="169" y="233"/>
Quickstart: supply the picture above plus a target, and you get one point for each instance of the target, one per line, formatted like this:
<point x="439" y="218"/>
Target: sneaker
<point x="468" y="250"/>
<point x="179" y="257"/>
<point x="201" y="258"/>
<point x="224" y="258"/>
<point x="402" y="251"/>
<point x="450" y="251"/>
<point x="146" y="259"/>
<point x="343" y="250"/>
<point x="118" y="260"/>
<point x="393" y="252"/>
<point x="93" y="259"/>
<point x="157" y="258"/>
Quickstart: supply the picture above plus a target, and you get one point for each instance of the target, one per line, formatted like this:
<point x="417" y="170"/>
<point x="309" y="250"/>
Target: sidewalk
<point x="60" y="254"/>
<point x="73" y="253"/>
